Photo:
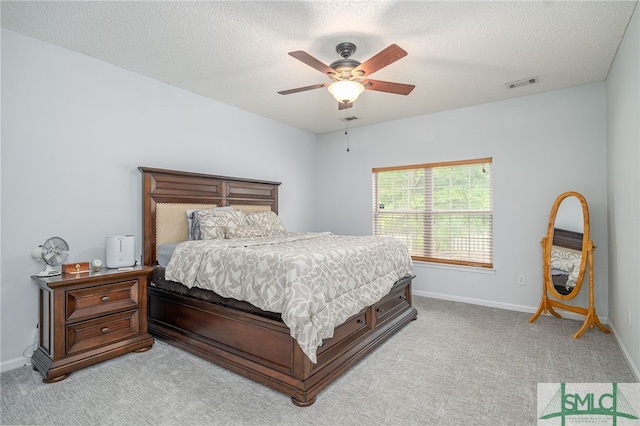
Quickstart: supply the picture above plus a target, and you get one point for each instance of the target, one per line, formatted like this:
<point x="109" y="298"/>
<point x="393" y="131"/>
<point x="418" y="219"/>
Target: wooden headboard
<point x="568" y="239"/>
<point x="161" y="186"/>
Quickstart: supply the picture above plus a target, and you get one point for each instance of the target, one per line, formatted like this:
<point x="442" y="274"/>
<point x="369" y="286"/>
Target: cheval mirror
<point x="567" y="253"/>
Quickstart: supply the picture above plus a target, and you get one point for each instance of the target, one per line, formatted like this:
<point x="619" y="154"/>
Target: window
<point x="442" y="211"/>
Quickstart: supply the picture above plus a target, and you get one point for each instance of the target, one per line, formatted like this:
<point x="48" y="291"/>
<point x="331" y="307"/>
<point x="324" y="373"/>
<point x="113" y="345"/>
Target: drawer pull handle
<point x="402" y="297"/>
<point x="359" y="321"/>
<point x="105" y="298"/>
<point x="105" y="330"/>
<point x="380" y="310"/>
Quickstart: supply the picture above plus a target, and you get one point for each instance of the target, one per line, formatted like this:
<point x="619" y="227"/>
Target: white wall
<point x="542" y="145"/>
<point x="74" y="131"/>
<point x="623" y="153"/>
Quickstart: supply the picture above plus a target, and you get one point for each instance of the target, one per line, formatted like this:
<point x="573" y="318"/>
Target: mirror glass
<point x="567" y="245"/>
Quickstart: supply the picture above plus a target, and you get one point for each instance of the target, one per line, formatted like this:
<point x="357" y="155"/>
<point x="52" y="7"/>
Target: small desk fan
<point x="53" y="252"/>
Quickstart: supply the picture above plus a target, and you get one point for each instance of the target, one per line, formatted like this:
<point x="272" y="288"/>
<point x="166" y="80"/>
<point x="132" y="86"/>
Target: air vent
<point x="520" y="83"/>
<point x="349" y="118"/>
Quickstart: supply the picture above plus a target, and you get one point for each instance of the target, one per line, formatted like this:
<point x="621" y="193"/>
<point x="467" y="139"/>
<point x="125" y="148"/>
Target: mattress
<point x="158" y="281"/>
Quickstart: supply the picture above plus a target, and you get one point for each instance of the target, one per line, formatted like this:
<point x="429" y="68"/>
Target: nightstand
<point x="89" y="317"/>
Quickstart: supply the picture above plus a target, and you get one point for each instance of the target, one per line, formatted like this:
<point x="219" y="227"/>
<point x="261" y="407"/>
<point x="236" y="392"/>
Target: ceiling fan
<point x="350" y="77"/>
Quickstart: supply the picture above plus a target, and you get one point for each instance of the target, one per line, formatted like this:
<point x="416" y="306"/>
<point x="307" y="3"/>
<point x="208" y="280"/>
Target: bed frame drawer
<point x="398" y="299"/>
<point x="352" y="326"/>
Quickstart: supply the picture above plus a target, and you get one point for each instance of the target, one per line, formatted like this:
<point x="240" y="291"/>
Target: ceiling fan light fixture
<point x="346" y="91"/>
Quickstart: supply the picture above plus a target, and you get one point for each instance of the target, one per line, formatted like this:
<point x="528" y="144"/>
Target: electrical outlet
<point x="521" y="280"/>
<point x="629" y="317"/>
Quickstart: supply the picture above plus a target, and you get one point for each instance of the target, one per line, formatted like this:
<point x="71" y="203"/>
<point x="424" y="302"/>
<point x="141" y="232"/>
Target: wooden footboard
<point x="262" y="349"/>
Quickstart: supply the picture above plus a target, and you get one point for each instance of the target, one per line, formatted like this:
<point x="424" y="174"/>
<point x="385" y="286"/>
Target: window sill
<point x="457" y="268"/>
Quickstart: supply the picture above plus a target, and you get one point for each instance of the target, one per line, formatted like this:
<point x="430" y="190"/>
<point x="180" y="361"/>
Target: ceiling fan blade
<point x="344" y="105"/>
<point x="303" y="89"/>
<point x="312" y="62"/>
<point x="388" y="86"/>
<point x="380" y="60"/>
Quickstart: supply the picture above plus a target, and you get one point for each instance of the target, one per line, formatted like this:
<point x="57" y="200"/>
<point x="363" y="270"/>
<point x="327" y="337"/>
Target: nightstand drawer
<point x="94" y="301"/>
<point x="92" y="334"/>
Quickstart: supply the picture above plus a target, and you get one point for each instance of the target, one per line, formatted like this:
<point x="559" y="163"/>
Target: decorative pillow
<point x="268" y="222"/>
<point x="244" y="232"/>
<point x="215" y="223"/>
<point x="194" y="225"/>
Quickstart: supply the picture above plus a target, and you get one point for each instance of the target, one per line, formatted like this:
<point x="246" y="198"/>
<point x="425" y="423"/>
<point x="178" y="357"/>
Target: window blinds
<point x="442" y="211"/>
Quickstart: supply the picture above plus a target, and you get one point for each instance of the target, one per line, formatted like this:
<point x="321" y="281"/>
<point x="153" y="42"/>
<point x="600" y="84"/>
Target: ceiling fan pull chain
<point x="346" y="128"/>
<point x="347" y="133"/>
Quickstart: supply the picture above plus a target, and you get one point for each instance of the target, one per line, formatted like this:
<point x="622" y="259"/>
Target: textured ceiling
<point x="459" y="53"/>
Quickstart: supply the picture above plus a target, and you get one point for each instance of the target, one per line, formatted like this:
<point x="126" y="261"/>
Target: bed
<point x="235" y="334"/>
<point x="566" y="259"/>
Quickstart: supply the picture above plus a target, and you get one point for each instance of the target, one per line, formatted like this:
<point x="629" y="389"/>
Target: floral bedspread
<point x="315" y="280"/>
<point x="567" y="261"/>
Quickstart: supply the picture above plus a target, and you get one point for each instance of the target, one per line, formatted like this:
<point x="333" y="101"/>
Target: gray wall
<point x="623" y="153"/>
<point x="542" y="145"/>
<point x="74" y="131"/>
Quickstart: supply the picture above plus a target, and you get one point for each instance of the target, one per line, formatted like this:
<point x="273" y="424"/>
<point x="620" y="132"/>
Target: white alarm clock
<point x="96" y="264"/>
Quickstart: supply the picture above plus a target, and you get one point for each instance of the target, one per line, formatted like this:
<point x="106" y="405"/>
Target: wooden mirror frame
<point x="555" y="238"/>
<point x="547" y="304"/>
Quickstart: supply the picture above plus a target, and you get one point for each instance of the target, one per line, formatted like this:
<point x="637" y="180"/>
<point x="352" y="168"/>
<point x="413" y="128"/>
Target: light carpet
<point x="457" y="364"/>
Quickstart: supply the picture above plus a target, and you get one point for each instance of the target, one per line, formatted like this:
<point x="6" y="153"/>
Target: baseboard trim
<point x="499" y="305"/>
<point x="625" y="354"/>
<point x="12" y="364"/>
